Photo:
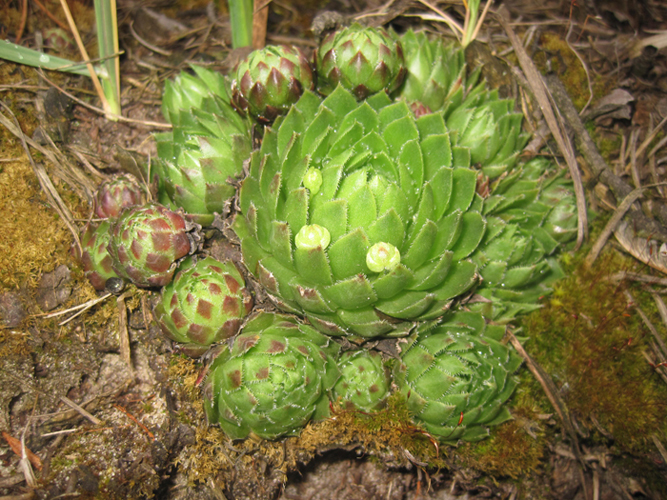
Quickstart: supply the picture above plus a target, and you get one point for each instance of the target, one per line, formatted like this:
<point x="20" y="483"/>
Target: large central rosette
<point x="360" y="216"/>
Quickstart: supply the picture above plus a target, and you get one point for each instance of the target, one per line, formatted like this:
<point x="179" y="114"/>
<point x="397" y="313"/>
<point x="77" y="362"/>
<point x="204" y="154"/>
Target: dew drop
<point x="44" y="58"/>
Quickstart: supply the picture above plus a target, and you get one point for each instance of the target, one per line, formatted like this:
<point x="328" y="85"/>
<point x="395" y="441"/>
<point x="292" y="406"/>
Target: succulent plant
<point x="457" y="377"/>
<point x="274" y="379"/>
<point x="205" y="303"/>
<point x="206" y="147"/>
<point x="270" y="80"/>
<point x="116" y="194"/>
<point x="188" y="91"/>
<point x="436" y="72"/>
<point x="490" y="129"/>
<point x="364" y="383"/>
<point x="148" y="241"/>
<point x="362" y="60"/>
<point x="476" y="118"/>
<point x="95" y="259"/>
<point x="359" y="216"/>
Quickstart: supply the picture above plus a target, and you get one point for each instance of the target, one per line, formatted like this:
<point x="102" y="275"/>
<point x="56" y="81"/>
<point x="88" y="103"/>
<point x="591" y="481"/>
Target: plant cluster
<point x="385" y="201"/>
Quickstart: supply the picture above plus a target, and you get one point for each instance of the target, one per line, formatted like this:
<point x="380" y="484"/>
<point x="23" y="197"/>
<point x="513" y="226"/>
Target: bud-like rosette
<point x="148" y="241"/>
<point x="205" y="303"/>
<point x="436" y="72"/>
<point x="276" y="378"/>
<point x="516" y="259"/>
<point x="270" y="80"/>
<point x="188" y="91"/>
<point x="383" y="241"/>
<point x="95" y="259"/>
<point x="116" y="194"/>
<point x="457" y="377"/>
<point x="205" y="149"/>
<point x="364" y="383"/>
<point x="362" y="60"/>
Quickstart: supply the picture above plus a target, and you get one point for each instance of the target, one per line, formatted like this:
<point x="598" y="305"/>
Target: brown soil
<point x="97" y="420"/>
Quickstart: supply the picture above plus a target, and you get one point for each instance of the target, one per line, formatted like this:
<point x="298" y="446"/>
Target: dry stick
<point x="660" y="446"/>
<point x="53" y="18"/>
<point x="259" y="18"/>
<point x="43" y="178"/>
<point x="644" y="278"/>
<point x="551" y="391"/>
<point x="84" y="53"/>
<point x="557" y="129"/>
<point x="612" y="224"/>
<point x="662" y="309"/>
<point x="123" y="334"/>
<point x="81" y="411"/>
<point x="587" y="147"/>
<point x="120" y="118"/>
<point x="24" y="18"/>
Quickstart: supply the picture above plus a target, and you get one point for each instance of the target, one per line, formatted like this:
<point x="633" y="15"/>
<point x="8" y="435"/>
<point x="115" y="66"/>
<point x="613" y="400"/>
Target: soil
<point x="86" y="412"/>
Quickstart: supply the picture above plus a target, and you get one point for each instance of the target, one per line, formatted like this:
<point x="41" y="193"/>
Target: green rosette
<point x="275" y="379"/>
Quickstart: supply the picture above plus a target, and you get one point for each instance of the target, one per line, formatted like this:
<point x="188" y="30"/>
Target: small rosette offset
<point x="206" y="148"/>
<point x="117" y="194"/>
<point x="148" y="241"/>
<point x="270" y="80"/>
<point x="364" y="382"/>
<point x="273" y="381"/>
<point x="362" y="60"/>
<point x="457" y="377"/>
<point x="205" y="303"/>
<point x="95" y="259"/>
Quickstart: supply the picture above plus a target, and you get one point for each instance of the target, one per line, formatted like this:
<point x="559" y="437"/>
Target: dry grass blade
<point x="662" y="309"/>
<point x="555" y="124"/>
<point x="662" y="353"/>
<point x="660" y="446"/>
<point x="612" y="224"/>
<point x="44" y="181"/>
<point x="551" y="392"/>
<point x="259" y="19"/>
<point x="81" y="411"/>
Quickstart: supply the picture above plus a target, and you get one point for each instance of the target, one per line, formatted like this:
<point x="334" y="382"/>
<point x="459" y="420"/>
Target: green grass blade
<point x="240" y="16"/>
<point x="107" y="41"/>
<point x="29" y="57"/>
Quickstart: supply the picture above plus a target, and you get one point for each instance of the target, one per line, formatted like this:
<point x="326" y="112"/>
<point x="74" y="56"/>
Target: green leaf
<point x="406" y="305"/>
<point x="352" y="293"/>
<point x="348" y="254"/>
<point x="333" y="216"/>
<point x="472" y="232"/>
<point x="388" y="228"/>
<point x="420" y="248"/>
<point x="388" y="284"/>
<point x="313" y="266"/>
<point x="461" y="278"/>
<point x="463" y="191"/>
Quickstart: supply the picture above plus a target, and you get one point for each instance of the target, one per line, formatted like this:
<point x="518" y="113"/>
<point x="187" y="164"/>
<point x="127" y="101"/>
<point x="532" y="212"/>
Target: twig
<point x="555" y="125"/>
<point x="660" y="446"/>
<point x="84" y="54"/>
<point x="53" y="18"/>
<point x="80" y="410"/>
<point x="260" y="17"/>
<point x="611" y="225"/>
<point x="644" y="278"/>
<point x="134" y="419"/>
<point x="446" y="18"/>
<point x="24" y="18"/>
<point x="84" y="306"/>
<point x="618" y="187"/>
<point x="123" y="334"/>
<point x="43" y="178"/>
<point x="662" y="309"/>
<point x="87" y="306"/>
<point x="149" y="46"/>
<point x="642" y="315"/>
<point x="120" y="118"/>
<point x="551" y="392"/>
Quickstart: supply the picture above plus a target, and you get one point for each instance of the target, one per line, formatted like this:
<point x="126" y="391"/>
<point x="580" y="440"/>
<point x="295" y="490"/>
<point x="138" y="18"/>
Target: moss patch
<point x="591" y="342"/>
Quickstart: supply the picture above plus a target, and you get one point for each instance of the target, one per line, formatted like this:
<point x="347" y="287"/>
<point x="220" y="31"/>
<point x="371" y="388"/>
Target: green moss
<point x="591" y="342"/>
<point x="556" y="56"/>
